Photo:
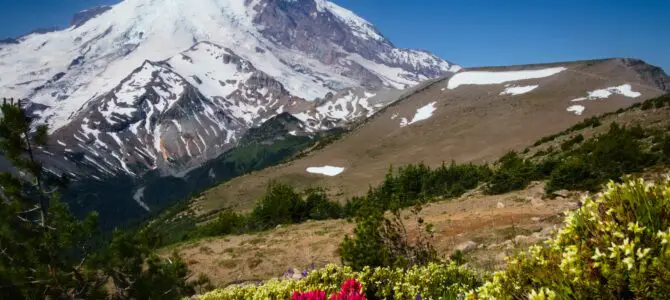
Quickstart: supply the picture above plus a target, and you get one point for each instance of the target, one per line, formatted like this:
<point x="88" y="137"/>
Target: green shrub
<point x="513" y="173"/>
<point x="616" y="153"/>
<point x="415" y="184"/>
<point x="605" y="157"/>
<point x="227" y="222"/>
<point x="661" y="102"/>
<point x="666" y="148"/>
<point x="366" y="246"/>
<point x="613" y="247"/>
<point x="592" y="122"/>
<point x="544" y="168"/>
<point x="573" y="174"/>
<point x="431" y="281"/>
<point x="280" y="205"/>
<point x="545" y="139"/>
<point x="380" y="241"/>
<point x="318" y="207"/>
<point x="455" y="179"/>
<point x="565" y="146"/>
<point x="638" y="132"/>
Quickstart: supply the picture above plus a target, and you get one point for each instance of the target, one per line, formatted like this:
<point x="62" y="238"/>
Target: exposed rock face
<point x="649" y="73"/>
<point x="327" y="32"/>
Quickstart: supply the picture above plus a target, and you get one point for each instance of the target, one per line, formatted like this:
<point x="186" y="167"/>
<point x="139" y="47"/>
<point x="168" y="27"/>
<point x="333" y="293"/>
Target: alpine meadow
<point x="288" y="149"/>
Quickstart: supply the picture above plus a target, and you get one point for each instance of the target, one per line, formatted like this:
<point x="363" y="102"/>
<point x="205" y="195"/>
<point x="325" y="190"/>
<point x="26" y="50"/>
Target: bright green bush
<point x="431" y="281"/>
<point x="614" y="247"/>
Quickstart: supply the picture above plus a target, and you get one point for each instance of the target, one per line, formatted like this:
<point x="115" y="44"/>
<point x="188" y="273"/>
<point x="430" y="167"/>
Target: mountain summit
<point x="148" y="84"/>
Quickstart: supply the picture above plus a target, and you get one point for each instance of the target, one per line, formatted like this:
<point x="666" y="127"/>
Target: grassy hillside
<point x="470" y="124"/>
<point x="615" y="246"/>
<point x="580" y="158"/>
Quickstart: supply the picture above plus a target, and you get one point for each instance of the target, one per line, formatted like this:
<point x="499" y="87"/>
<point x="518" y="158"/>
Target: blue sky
<point x="466" y="32"/>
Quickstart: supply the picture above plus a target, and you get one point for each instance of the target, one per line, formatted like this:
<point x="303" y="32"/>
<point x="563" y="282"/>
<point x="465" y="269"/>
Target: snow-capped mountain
<point x="168" y="84"/>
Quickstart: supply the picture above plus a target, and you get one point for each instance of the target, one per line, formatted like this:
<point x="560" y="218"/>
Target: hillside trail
<point x="485" y="227"/>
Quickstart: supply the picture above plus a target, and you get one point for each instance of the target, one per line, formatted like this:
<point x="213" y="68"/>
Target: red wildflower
<point x="350" y="290"/>
<point x="313" y="295"/>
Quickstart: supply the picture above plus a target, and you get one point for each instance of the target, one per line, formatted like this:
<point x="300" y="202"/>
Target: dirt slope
<point x="471" y="123"/>
<point x="496" y="224"/>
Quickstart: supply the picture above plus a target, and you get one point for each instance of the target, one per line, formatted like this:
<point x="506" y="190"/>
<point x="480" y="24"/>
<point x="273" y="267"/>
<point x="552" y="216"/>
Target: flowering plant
<point x="350" y="290"/>
<point x="313" y="295"/>
<point x="619" y="238"/>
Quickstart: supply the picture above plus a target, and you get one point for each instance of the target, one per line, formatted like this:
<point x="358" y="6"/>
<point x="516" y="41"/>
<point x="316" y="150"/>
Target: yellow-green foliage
<point x="614" y="247"/>
<point x="430" y="282"/>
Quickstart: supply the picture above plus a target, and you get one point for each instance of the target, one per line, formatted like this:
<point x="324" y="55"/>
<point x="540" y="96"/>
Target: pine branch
<point x="38" y="178"/>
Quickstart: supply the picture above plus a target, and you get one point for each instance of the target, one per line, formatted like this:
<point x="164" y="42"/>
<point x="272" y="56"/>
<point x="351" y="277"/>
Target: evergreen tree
<point x="46" y="253"/>
<point x="138" y="273"/>
<point x="280" y="205"/>
<point x="44" y="250"/>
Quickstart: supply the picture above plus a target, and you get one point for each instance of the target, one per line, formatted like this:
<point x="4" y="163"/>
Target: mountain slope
<point x="146" y="92"/>
<point x="476" y="115"/>
<point x="184" y="107"/>
<point x="324" y="48"/>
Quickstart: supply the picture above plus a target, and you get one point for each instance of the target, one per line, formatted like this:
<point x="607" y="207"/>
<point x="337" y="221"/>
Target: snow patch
<point x="361" y="28"/>
<point x="518" y="90"/>
<point x="421" y="114"/>
<point x="325" y="170"/>
<point x="625" y="89"/>
<point x="487" y="77"/>
<point x="139" y="194"/>
<point x="577" y="109"/>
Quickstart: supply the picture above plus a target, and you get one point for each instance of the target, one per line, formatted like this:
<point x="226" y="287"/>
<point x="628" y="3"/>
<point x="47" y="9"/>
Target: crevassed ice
<point x="325" y="170"/>
<point x="488" y="77"/>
